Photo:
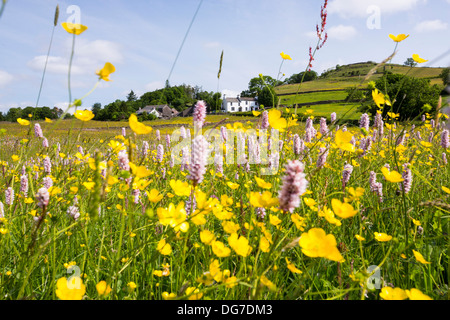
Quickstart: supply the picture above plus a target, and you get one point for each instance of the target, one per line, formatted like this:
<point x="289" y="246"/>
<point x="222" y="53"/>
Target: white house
<point x="239" y="104"/>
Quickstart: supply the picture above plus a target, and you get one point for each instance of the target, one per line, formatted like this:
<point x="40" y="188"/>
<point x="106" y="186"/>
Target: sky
<point x="141" y="38"/>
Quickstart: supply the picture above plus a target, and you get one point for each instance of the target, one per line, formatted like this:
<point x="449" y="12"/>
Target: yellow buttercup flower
<point x="285" y="56"/>
<point x="343" y="139"/>
<point x="382" y="237"/>
<point x="138" y="127"/>
<point x="168" y="296"/>
<point x="388" y="293"/>
<point x="416" y="294"/>
<point x="106" y="71"/>
<point x="72" y="289"/>
<point x="164" y="248"/>
<point x="399" y="37"/>
<point x="232" y="185"/>
<point x="48" y="120"/>
<point x="292" y="267"/>
<point x="85" y="115"/>
<point x="263" y="184"/>
<point x="220" y="250"/>
<point x="343" y="210"/>
<point x="154" y="196"/>
<point x="276" y="121"/>
<point x="74" y="28"/>
<point x="419" y="257"/>
<point x="379" y="98"/>
<point x="316" y="243"/>
<point x="180" y="188"/>
<point x="103" y="288"/>
<point x="418" y="59"/>
<point x="240" y="245"/>
<point x="256" y="113"/>
<point x="392" y="176"/>
<point x="445" y="189"/>
<point x="207" y="237"/>
<point x="23" y="122"/>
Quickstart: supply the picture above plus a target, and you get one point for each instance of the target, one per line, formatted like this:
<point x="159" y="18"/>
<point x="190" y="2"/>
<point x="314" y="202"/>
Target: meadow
<point x="288" y="204"/>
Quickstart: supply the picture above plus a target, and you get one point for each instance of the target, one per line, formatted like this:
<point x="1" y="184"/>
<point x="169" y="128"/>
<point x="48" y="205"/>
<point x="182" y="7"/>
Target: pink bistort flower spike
<point x="294" y="185"/>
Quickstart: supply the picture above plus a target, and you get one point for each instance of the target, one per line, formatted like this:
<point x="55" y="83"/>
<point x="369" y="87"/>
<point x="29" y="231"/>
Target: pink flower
<point x="9" y="196"/>
<point x="42" y="197"/>
<point x="199" y="114"/>
<point x="294" y="185"/>
<point x="199" y="155"/>
<point x="38" y="131"/>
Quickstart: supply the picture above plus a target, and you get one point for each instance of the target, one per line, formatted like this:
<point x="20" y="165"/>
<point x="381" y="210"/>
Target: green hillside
<point x="327" y="94"/>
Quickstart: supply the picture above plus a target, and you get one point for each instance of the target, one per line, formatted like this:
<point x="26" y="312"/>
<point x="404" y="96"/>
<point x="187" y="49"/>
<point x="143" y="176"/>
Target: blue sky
<point x="142" y="37"/>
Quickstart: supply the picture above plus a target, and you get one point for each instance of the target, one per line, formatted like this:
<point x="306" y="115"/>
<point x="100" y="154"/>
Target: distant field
<point x="343" y="110"/>
<point x="313" y="97"/>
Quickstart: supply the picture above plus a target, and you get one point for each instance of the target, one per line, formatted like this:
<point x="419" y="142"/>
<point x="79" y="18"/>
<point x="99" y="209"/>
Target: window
<point x="246" y="102"/>
<point x="232" y="108"/>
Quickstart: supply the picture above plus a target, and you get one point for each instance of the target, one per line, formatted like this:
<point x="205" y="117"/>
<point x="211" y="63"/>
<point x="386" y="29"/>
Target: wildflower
<point x="285" y="56"/>
<point x="388" y="293"/>
<point x="398" y="38"/>
<point x="173" y="216"/>
<point x="154" y="196"/>
<point x="42" y="197"/>
<point x="240" y="245"/>
<point x="333" y="117"/>
<point x="276" y="121"/>
<point x="268" y="283"/>
<point x="160" y="153"/>
<point x="131" y="286"/>
<point x="164" y="248"/>
<point x="364" y="122"/>
<point x="138" y="127"/>
<point x="265" y="120"/>
<point x="292" y="267"/>
<point x="418" y="59"/>
<point x="193" y="293"/>
<point x="233" y="185"/>
<point x="343" y="210"/>
<point x="2" y="210"/>
<point x="168" y="296"/>
<point x="9" y="196"/>
<point x="322" y="159"/>
<point x="220" y="250"/>
<point x="294" y="185"/>
<point x="24" y="185"/>
<point x="416" y="294"/>
<point x="199" y="114"/>
<point x="316" y="243"/>
<point x="379" y="98"/>
<point x="328" y="214"/>
<point x="359" y="238"/>
<point x="419" y="257"/>
<point x="72" y="289"/>
<point x="23" y="122"/>
<point x="38" y="131"/>
<point x="74" y="28"/>
<point x="382" y="237"/>
<point x="343" y="141"/>
<point x="348" y="169"/>
<point x="407" y="176"/>
<point x="85" y="115"/>
<point x="263" y="184"/>
<point x="445" y="141"/>
<point x="207" y="237"/>
<point x="180" y="188"/>
<point x="73" y="212"/>
<point x="105" y="72"/>
<point x="391" y="176"/>
<point x="103" y="288"/>
<point x="199" y="157"/>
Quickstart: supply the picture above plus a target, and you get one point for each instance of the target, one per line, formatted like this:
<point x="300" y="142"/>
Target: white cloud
<point x="90" y="56"/>
<point x="352" y="8"/>
<point x="56" y="65"/>
<point x="341" y="32"/>
<point x="431" y="25"/>
<point x="5" y="78"/>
